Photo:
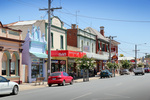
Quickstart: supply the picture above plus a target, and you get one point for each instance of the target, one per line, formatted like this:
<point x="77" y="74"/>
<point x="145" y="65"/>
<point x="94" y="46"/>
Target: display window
<point x="37" y="68"/>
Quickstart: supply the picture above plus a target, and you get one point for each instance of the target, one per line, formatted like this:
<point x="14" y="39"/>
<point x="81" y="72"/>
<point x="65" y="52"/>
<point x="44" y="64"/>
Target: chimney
<point x="102" y="30"/>
<point x="73" y="26"/>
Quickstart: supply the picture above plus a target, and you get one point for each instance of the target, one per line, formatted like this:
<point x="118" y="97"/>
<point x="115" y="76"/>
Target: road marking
<point x="82" y="96"/>
<point x="118" y="96"/>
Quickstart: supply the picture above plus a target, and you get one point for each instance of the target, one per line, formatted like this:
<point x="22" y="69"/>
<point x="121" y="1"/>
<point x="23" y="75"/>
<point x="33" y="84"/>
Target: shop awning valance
<point x="39" y="55"/>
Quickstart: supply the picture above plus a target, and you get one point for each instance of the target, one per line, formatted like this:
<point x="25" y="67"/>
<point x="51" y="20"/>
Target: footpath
<point x="29" y="86"/>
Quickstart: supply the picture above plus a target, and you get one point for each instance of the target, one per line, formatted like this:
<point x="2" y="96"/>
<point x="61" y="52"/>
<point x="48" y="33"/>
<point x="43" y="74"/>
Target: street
<point x="126" y="87"/>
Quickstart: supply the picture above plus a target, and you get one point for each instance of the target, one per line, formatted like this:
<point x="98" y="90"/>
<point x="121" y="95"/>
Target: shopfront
<point x="58" y="65"/>
<point x="34" y="55"/>
<point x="64" y="60"/>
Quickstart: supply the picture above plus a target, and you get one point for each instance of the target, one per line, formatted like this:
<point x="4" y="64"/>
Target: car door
<point x="68" y="78"/>
<point x="4" y="86"/>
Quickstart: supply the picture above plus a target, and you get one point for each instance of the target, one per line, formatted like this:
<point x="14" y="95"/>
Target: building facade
<point x="11" y="53"/>
<point x="34" y="54"/>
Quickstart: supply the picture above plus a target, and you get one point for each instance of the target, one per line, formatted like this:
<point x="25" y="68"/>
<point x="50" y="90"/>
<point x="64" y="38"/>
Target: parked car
<point x="124" y="71"/>
<point x="147" y="70"/>
<point x="8" y="87"/>
<point x="139" y="70"/>
<point x="105" y="73"/>
<point x="60" y="78"/>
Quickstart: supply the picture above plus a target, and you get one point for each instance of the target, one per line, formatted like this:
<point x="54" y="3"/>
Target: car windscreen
<point x="55" y="74"/>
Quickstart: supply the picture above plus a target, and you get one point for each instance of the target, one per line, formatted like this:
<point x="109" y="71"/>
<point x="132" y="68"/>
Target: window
<point x="92" y="48"/>
<point x="82" y="45"/>
<point x="87" y="43"/>
<point x="103" y="47"/>
<point x="2" y="79"/>
<point x="4" y="64"/>
<point x="12" y="68"/>
<point x="61" y="42"/>
<point x="52" y="45"/>
<point x="4" y="68"/>
<point x="99" y="46"/>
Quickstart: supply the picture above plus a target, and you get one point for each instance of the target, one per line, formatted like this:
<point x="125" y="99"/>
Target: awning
<point x="39" y="55"/>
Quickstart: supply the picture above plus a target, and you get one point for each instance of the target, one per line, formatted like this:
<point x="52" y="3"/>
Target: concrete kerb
<point x="28" y="86"/>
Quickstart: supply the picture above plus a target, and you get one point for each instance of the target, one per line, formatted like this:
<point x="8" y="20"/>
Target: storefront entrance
<point x="58" y="65"/>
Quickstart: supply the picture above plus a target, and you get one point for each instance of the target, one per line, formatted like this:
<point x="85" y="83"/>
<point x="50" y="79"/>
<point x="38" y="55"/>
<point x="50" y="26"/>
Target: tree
<point x="85" y="64"/>
<point x="126" y="64"/>
<point x="121" y="55"/>
<point x="140" y="64"/>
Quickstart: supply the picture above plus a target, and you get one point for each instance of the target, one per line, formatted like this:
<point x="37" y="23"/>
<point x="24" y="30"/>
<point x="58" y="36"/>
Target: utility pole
<point x="146" y="59"/>
<point x="136" y="55"/>
<point x="49" y="36"/>
<point x="110" y="38"/>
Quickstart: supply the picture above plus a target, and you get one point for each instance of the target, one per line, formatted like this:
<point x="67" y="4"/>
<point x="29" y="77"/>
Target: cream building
<point x="11" y="54"/>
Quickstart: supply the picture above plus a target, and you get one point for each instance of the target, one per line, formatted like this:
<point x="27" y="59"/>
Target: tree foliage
<point x="85" y="63"/>
<point x="121" y="55"/>
<point x="112" y="65"/>
<point x="141" y="65"/>
<point x="126" y="64"/>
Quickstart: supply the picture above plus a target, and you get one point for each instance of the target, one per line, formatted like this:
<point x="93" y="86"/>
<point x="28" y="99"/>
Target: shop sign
<point x="62" y="62"/>
<point x="35" y="61"/>
<point x="66" y="53"/>
<point x="54" y="61"/>
<point x="71" y="60"/>
<point x="115" y="58"/>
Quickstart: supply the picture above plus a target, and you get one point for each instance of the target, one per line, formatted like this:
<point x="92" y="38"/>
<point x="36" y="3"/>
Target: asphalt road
<point x="127" y="87"/>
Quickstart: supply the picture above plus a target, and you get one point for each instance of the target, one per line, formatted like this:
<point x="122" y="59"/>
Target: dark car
<point x="147" y="70"/>
<point x="105" y="73"/>
<point x="124" y="71"/>
<point x="60" y="78"/>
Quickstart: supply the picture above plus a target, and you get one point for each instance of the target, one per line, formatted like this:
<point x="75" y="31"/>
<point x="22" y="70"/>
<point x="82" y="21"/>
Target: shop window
<point x="4" y="68"/>
<point x="37" y="68"/>
<point x="12" y="68"/>
<point x="13" y="65"/>
<point x="4" y="64"/>
<point x="61" y="42"/>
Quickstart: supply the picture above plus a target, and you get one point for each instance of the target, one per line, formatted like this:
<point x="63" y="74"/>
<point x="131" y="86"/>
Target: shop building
<point x="11" y="54"/>
<point x="102" y="48"/>
<point x="58" y="32"/>
<point x="34" y="55"/>
<point x="64" y="60"/>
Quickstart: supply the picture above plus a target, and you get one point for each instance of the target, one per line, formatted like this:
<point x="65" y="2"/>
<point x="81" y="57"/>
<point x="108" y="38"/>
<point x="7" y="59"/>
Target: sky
<point x="129" y="20"/>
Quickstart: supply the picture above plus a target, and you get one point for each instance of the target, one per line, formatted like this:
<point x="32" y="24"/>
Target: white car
<point x="8" y="87"/>
<point x="139" y="70"/>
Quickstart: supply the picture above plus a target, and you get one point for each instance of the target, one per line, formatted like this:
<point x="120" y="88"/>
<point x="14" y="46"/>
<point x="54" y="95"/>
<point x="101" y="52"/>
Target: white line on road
<point x="82" y="96"/>
<point x="117" y="95"/>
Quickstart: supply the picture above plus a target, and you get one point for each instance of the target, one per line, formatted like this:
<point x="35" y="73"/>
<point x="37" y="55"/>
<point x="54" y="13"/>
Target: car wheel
<point x="63" y="84"/>
<point x="15" y="90"/>
<point x="142" y="73"/>
<point x="49" y="85"/>
<point x="59" y="84"/>
<point x="71" y="82"/>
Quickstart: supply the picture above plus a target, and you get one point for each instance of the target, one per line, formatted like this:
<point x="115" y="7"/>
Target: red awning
<point x="66" y="53"/>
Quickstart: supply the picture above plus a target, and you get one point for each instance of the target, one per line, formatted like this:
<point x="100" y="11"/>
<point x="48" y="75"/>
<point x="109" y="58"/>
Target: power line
<point x="108" y="19"/>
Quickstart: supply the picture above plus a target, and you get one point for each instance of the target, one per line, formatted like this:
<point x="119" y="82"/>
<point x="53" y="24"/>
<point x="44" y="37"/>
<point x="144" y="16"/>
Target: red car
<point x="147" y="70"/>
<point x="60" y="78"/>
